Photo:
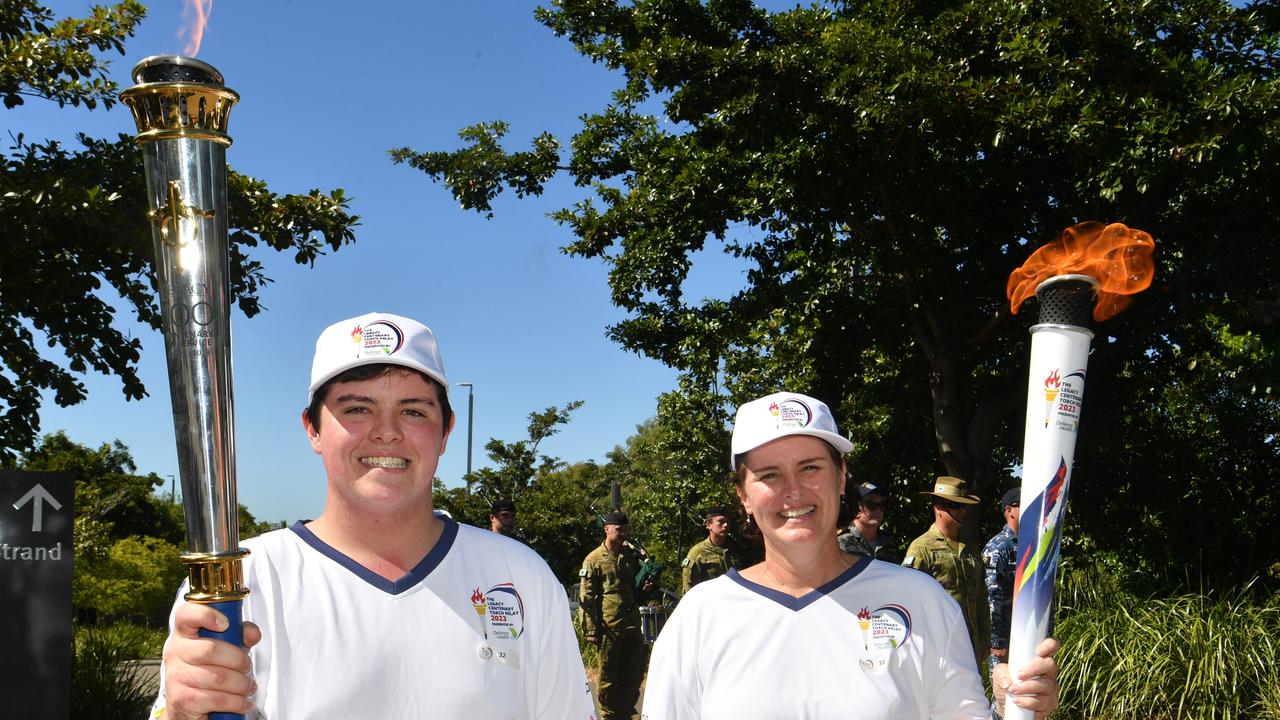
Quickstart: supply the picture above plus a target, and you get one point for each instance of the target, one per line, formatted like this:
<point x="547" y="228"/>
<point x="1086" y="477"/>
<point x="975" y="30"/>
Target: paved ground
<point x="150" y="671"/>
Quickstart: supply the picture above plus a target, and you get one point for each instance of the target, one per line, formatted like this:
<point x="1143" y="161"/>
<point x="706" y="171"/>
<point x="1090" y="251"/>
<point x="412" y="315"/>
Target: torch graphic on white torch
<point x="1090" y="261"/>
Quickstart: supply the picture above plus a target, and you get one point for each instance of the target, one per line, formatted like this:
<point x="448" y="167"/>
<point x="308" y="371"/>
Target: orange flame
<point x="477" y="597"/>
<point x="1120" y="258"/>
<point x="196" y="13"/>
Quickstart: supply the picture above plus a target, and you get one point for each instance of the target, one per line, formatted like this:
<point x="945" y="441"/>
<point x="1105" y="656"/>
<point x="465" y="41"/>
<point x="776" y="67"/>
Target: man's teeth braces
<point x="384" y="462"/>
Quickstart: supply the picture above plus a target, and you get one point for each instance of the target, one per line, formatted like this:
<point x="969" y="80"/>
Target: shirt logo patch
<point x="505" y="612"/>
<point x="885" y="628"/>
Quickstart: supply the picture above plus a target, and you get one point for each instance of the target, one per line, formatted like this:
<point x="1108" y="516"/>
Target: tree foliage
<point x="517" y="464"/>
<point x="552" y="499"/>
<point x="877" y="169"/>
<point x="674" y="468"/>
<point x="75" y="242"/>
<point x="126" y="538"/>
<point x="54" y="59"/>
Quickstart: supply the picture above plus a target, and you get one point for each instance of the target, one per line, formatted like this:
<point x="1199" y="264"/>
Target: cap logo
<point x="377" y="339"/>
<point x="791" y="414"/>
<point x="940" y="488"/>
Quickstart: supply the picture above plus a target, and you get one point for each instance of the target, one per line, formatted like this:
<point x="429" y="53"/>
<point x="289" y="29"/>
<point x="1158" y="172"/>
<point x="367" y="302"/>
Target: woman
<point x="814" y="632"/>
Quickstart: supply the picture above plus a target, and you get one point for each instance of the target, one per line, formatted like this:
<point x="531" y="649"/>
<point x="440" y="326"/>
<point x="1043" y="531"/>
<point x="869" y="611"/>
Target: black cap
<point x="1012" y="496"/>
<point x="615" y="518"/>
<point x="716" y="510"/>
<point x="500" y="505"/>
<point x="867" y="488"/>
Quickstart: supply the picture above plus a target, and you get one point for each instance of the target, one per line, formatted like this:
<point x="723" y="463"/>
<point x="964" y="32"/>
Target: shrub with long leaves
<point x="1202" y="656"/>
<point x="107" y="683"/>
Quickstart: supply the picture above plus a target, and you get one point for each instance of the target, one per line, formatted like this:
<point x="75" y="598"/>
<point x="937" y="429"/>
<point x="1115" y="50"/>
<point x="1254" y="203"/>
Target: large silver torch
<point x="1091" y="272"/>
<point x="181" y="110"/>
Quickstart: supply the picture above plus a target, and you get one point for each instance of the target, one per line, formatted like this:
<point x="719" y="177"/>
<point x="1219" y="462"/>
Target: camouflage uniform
<point x="610" y="604"/>
<point x="1001" y="558"/>
<point x="959" y="568"/>
<point x="882" y="548"/>
<point x="705" y="561"/>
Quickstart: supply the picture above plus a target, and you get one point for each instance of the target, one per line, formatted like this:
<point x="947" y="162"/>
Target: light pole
<point x="471" y="414"/>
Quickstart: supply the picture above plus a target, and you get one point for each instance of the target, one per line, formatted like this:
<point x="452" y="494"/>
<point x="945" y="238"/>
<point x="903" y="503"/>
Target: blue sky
<point x="325" y="92"/>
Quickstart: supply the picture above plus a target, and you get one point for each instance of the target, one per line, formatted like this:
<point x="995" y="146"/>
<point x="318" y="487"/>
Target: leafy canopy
<point x="75" y="244"/>
<point x="877" y="169"/>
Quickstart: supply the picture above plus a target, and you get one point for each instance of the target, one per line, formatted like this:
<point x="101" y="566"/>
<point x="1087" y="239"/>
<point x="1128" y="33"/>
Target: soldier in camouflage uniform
<point x="864" y="536"/>
<point x="956" y="565"/>
<point x="1001" y="559"/>
<point x="610" y="606"/>
<point x="712" y="557"/>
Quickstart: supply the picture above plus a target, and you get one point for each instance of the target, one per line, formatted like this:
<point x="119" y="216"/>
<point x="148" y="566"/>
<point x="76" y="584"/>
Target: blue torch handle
<point x="234" y="634"/>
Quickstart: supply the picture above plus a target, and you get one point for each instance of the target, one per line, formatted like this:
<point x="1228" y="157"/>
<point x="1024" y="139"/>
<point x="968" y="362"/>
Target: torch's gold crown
<point x="168" y="110"/>
<point x="215" y="577"/>
<point x="179" y="97"/>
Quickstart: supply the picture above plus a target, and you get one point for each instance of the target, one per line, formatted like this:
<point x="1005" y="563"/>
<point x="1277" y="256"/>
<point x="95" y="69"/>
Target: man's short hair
<point x="369" y="372"/>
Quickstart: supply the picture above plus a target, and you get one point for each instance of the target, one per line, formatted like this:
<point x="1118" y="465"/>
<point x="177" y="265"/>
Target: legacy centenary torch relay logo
<point x="506" y="611"/>
<point x="377" y="339"/>
<point x="883" y="631"/>
<point x="791" y="413"/>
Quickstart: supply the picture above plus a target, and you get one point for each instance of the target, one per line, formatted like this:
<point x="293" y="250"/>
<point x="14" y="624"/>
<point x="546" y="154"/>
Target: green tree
<point x="672" y="469"/>
<point x="552" y="499"/>
<point x="137" y="577"/>
<point x="517" y="464"/>
<point x="127" y="539"/>
<point x="879" y="168"/>
<point x="557" y="518"/>
<point x="73" y="228"/>
<point x="110" y="493"/>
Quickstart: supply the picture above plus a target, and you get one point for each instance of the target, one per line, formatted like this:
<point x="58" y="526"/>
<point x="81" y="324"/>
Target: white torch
<point x="1090" y="262"/>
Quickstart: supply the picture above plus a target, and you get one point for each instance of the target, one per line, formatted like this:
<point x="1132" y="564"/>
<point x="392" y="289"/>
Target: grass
<point x="1197" y="656"/>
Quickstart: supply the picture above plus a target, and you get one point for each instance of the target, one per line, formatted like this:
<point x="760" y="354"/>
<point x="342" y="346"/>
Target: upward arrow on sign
<point x="38" y="496"/>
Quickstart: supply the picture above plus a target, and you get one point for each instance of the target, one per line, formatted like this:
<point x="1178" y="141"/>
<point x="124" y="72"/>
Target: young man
<point x="712" y="557"/>
<point x="957" y="566"/>
<point x="865" y="536"/>
<point x="610" y="604"/>
<point x="380" y="607"/>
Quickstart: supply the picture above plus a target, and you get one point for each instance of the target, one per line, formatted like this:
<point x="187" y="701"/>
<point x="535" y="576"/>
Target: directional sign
<point x="37" y="511"/>
<point x="38" y="496"/>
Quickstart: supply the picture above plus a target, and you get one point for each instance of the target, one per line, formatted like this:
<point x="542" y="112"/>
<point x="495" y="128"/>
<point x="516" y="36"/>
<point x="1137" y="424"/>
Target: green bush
<point x="1196" y="656"/>
<point x="106" y="681"/>
<point x="137" y="577"/>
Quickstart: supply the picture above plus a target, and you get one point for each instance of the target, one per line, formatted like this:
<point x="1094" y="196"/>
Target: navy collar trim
<point x="391" y="587"/>
<point x="800" y="603"/>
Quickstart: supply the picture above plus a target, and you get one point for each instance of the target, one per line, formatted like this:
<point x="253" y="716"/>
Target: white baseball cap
<point x="779" y="415"/>
<point x="375" y="338"/>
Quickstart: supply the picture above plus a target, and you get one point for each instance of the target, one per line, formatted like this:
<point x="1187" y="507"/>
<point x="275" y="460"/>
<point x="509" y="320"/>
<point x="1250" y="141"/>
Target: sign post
<point x="36" y="518"/>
